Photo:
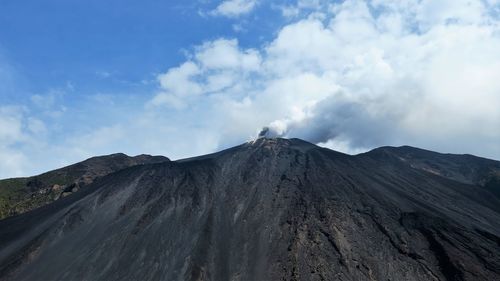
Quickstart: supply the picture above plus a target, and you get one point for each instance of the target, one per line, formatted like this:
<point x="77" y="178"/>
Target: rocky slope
<point x="273" y="209"/>
<point x="19" y="195"/>
<point x="463" y="168"/>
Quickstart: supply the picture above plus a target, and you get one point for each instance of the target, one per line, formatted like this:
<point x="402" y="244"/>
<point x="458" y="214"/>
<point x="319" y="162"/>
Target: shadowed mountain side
<point x="272" y="209"/>
<point x="465" y="168"/>
<point x="19" y="195"/>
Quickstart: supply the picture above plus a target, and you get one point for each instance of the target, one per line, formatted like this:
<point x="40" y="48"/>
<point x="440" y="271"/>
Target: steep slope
<point x="463" y="168"/>
<point x="19" y="195"/>
<point x="273" y="209"/>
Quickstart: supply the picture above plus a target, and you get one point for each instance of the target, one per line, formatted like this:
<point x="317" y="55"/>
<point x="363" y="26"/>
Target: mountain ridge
<point x="266" y="210"/>
<point x="18" y="195"/>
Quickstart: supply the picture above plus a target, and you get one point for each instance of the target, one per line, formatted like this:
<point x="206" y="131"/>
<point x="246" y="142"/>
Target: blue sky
<point x="182" y="78"/>
<point x="107" y="45"/>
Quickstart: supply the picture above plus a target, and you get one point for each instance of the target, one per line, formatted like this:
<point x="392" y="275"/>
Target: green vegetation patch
<point x="11" y="192"/>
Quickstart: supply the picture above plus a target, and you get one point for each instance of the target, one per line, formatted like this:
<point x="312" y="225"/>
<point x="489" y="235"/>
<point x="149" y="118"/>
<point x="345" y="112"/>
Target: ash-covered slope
<point x="274" y="209"/>
<point x="19" y="195"/>
<point x="463" y="168"/>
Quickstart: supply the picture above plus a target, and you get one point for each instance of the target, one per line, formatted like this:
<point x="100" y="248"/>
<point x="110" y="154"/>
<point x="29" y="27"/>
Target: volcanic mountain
<point x="271" y="209"/>
<point x="19" y="195"/>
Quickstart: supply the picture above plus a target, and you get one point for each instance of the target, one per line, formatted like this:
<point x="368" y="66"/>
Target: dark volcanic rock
<point x="273" y="209"/>
<point x="20" y="195"/>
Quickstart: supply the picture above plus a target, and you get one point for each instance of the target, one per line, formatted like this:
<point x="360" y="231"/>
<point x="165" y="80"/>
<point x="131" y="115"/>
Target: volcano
<point x="271" y="209"/>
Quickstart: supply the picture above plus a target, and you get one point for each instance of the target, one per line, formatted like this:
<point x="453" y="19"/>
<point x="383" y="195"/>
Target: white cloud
<point x="350" y="75"/>
<point x="431" y="12"/>
<point x="11" y="126"/>
<point x="12" y="164"/>
<point x="299" y="7"/>
<point x="16" y="131"/>
<point x="50" y="103"/>
<point x="176" y="83"/>
<point x="362" y="74"/>
<point x="224" y="54"/>
<point x="234" y="8"/>
<point x="216" y="67"/>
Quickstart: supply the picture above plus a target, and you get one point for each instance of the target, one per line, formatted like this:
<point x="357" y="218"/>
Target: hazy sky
<point x="183" y="78"/>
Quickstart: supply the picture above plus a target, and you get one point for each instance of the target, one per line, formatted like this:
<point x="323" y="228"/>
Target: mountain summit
<point x="270" y="209"/>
